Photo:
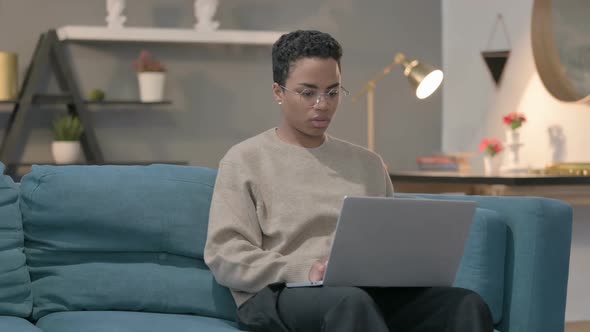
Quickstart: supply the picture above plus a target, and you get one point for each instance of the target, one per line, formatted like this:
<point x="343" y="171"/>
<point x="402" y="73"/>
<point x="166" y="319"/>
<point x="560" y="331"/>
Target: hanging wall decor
<point x="496" y="59"/>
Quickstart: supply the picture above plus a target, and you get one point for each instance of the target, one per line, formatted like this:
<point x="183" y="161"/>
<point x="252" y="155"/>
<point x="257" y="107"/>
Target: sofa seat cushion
<point x="120" y="238"/>
<point x="127" y="321"/>
<point x="16" y="324"/>
<point x="15" y="284"/>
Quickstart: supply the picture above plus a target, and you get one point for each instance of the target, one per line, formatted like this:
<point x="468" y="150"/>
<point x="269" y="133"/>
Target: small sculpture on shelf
<point x="513" y="122"/>
<point x="557" y="142"/>
<point x="204" y="12"/>
<point x="67" y="131"/>
<point x="114" y="18"/>
<point x="151" y="77"/>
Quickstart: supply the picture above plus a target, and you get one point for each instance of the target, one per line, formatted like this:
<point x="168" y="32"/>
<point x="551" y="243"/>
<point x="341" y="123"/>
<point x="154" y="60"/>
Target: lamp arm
<point x="397" y="60"/>
<point x="369" y="90"/>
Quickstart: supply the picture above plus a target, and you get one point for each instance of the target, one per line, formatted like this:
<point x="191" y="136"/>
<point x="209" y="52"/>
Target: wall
<point x="221" y="94"/>
<point x="473" y="107"/>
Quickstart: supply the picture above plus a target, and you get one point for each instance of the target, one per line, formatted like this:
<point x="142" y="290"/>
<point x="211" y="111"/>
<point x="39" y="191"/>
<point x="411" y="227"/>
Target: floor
<point x="582" y="326"/>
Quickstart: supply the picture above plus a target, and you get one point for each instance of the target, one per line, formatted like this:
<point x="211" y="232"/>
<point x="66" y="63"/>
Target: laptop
<point x="397" y="242"/>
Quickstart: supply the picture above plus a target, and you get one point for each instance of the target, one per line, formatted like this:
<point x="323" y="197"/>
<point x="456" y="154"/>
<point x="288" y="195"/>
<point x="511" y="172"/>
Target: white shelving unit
<point x="166" y="35"/>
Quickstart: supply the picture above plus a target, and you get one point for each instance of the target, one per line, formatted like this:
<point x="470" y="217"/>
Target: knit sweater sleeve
<point x="233" y="250"/>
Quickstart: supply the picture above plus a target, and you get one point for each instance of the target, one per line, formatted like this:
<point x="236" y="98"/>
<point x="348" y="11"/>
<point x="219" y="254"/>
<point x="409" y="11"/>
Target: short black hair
<point x="298" y="44"/>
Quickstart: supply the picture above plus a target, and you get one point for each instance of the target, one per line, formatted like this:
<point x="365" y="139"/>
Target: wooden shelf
<point x="127" y="102"/>
<point x="116" y="163"/>
<point x="477" y="178"/>
<point x="57" y="99"/>
<point x="167" y="35"/>
<point x="574" y="190"/>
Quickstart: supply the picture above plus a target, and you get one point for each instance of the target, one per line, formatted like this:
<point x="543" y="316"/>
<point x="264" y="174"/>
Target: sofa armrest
<point x="482" y="266"/>
<point x="537" y="260"/>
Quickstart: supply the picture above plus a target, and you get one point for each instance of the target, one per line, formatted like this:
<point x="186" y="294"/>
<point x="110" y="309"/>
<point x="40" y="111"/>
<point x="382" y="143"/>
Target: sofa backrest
<point x="15" y="286"/>
<point x="120" y="238"/>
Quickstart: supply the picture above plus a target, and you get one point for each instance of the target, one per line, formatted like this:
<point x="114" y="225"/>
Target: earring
<point x="280" y="103"/>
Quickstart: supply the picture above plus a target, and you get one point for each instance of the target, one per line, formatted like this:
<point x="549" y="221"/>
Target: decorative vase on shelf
<point x="512" y="163"/>
<point x="8" y="76"/>
<point x="491" y="148"/>
<point x="151" y="86"/>
<point x="512" y="136"/>
<point x="66" y="152"/>
<point x="67" y="131"/>
<point x="151" y="76"/>
<point x="491" y="165"/>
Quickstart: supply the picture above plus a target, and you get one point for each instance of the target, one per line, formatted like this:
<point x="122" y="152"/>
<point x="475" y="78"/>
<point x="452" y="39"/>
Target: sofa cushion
<point x="15" y="284"/>
<point x="127" y="238"/>
<point x="110" y="321"/>
<point x="16" y="324"/>
<point x="482" y="265"/>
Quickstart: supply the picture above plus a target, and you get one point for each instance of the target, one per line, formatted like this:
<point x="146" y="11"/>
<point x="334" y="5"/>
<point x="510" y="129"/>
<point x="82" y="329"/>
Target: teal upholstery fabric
<point x="15" y="285"/>
<point x="16" y="324"/>
<point x="115" y="321"/>
<point x="482" y="266"/>
<point x="537" y="260"/>
<point x="127" y="238"/>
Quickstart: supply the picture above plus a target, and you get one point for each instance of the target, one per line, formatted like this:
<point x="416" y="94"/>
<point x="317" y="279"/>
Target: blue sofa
<point x="120" y="248"/>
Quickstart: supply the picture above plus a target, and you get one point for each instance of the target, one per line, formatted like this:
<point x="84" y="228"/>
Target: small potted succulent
<point x="151" y="77"/>
<point x="67" y="131"/>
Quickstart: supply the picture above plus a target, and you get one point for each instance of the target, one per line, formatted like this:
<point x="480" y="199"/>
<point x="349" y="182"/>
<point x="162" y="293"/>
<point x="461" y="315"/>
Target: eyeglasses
<point x="311" y="97"/>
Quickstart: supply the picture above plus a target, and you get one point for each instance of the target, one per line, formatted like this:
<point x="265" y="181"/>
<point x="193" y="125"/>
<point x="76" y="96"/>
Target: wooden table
<point x="574" y="190"/>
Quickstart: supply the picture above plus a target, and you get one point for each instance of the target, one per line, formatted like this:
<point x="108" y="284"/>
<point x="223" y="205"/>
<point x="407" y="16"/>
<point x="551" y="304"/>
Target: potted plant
<point x="490" y="147"/>
<point x="67" y="131"/>
<point x="151" y="77"/>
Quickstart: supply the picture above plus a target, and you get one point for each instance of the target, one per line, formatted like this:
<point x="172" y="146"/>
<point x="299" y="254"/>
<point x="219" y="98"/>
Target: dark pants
<point x="343" y="309"/>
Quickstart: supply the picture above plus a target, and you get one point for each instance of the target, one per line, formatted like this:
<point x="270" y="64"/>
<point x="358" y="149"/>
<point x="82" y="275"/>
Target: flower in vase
<point x="490" y="146"/>
<point x="514" y="120"/>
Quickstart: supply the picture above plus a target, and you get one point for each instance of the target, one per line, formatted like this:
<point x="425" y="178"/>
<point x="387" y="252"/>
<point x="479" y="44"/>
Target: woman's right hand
<point x="316" y="273"/>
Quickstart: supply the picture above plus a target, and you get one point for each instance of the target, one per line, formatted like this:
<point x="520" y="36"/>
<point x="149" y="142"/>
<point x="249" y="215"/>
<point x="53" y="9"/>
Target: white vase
<point x="491" y="165"/>
<point x="512" y="136"/>
<point x="66" y="152"/>
<point x="151" y="86"/>
<point x="512" y="162"/>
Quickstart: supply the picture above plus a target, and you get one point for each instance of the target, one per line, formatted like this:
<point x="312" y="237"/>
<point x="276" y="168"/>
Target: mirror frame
<point x="547" y="60"/>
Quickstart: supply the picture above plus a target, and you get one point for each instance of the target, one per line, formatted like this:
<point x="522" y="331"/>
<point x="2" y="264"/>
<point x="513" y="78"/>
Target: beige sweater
<point x="275" y="207"/>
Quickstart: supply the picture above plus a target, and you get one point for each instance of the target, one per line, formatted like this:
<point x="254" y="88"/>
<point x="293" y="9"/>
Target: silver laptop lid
<point x="391" y="242"/>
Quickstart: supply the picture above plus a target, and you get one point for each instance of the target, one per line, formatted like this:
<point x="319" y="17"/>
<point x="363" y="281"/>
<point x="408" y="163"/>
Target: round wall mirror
<point x="561" y="47"/>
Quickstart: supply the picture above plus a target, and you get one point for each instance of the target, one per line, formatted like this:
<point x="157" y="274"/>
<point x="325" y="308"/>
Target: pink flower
<point x="514" y="120"/>
<point x="490" y="146"/>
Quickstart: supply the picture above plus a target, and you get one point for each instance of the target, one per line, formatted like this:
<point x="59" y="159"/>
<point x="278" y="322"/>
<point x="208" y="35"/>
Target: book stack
<point x="438" y="163"/>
